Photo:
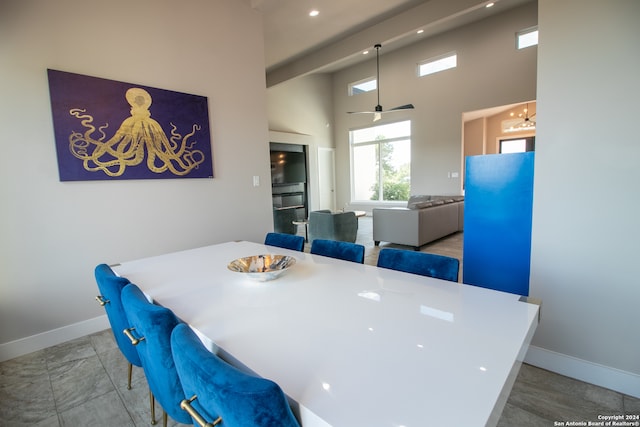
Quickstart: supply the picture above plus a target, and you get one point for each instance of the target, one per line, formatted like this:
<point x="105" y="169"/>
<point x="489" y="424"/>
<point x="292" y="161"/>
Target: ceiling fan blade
<point x="403" y="107"/>
<point x="378" y="111"/>
<point x="381" y="111"/>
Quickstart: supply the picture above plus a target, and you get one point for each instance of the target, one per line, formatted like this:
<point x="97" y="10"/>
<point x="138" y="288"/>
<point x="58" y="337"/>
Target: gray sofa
<point x="425" y="219"/>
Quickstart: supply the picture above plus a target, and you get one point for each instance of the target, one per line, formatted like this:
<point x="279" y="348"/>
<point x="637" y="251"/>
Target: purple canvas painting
<point x="106" y="129"/>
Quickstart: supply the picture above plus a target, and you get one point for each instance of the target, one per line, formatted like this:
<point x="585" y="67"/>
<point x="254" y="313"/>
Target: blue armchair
<point x="287" y="241"/>
<point x="150" y="332"/>
<point x="341" y="250"/>
<point x="422" y="263"/>
<point x="110" y="287"/>
<point x="223" y="394"/>
<point x="324" y="224"/>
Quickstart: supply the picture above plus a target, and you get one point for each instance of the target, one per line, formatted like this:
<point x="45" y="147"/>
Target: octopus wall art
<point x="85" y="109"/>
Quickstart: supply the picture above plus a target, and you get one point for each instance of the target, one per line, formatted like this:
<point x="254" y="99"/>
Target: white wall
<point x="302" y="105"/>
<point x="300" y="111"/>
<point x="490" y="72"/>
<point x="54" y="233"/>
<point x="585" y="219"/>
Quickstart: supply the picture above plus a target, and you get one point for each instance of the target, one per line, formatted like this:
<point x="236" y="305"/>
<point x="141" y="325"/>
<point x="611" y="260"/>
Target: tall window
<point x="381" y="162"/>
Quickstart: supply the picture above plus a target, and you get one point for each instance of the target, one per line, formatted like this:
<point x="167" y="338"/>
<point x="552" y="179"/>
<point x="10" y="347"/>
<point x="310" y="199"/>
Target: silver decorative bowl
<point x="262" y="267"/>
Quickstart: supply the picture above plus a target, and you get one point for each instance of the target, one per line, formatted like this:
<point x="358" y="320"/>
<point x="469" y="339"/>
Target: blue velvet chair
<point x="220" y="394"/>
<point x="110" y="287"/>
<point x="425" y="264"/>
<point x="342" y="250"/>
<point x="150" y="331"/>
<point x="287" y="241"/>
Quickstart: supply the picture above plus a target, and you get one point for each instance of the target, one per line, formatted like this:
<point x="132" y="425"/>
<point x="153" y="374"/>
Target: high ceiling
<point x="297" y="44"/>
<point x="289" y="31"/>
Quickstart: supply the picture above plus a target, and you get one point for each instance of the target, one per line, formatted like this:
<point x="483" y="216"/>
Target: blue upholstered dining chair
<point x="110" y="287"/>
<point x="425" y="264"/>
<point x="220" y="394"/>
<point x="342" y="250"/>
<point x="287" y="241"/>
<point x="150" y="332"/>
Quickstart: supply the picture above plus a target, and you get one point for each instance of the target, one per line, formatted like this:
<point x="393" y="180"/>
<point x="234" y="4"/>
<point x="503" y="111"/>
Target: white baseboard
<point x="27" y="345"/>
<point x="604" y="376"/>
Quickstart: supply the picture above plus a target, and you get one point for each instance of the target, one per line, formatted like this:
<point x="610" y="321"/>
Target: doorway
<point x="326" y="178"/>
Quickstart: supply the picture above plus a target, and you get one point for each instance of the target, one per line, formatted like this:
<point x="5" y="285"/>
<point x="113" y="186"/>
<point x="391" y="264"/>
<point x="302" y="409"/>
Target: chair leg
<point x="164" y="418"/>
<point x="152" y="401"/>
<point x="129" y="376"/>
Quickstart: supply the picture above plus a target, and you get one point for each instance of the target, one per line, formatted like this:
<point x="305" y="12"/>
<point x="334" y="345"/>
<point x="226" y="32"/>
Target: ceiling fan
<point x="378" y="111"/>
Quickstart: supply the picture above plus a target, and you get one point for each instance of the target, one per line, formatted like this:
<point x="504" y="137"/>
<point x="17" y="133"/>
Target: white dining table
<point x="350" y="344"/>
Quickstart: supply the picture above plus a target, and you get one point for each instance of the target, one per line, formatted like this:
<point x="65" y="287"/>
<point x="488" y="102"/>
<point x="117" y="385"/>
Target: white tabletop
<point x="353" y="345"/>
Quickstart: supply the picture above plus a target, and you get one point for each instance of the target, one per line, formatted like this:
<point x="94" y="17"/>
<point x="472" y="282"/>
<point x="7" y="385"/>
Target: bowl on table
<point x="262" y="267"/>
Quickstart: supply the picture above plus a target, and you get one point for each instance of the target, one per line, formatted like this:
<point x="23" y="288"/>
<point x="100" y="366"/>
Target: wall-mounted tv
<point x="288" y="167"/>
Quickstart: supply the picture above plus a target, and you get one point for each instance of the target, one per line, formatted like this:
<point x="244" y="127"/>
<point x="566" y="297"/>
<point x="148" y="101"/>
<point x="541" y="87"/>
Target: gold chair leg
<point x="152" y="401"/>
<point x="164" y="418"/>
<point x="129" y="376"/>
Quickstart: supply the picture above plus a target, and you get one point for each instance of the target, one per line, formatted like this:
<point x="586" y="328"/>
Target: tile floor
<point x="83" y="382"/>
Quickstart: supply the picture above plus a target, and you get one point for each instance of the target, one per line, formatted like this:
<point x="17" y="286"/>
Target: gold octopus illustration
<point x="136" y="134"/>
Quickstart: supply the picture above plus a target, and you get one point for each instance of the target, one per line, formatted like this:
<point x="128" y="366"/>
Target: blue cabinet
<point x="497" y="221"/>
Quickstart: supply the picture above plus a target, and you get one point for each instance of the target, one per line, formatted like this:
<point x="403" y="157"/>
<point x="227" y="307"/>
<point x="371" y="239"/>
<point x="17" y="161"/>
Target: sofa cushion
<point x="420" y="205"/>
<point x="419" y="202"/>
<point x="426" y="201"/>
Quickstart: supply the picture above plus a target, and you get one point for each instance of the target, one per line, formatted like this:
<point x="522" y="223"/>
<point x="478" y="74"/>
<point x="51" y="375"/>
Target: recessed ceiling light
<point x="420" y="31"/>
<point x="314" y="12"/>
<point x="366" y="52"/>
<point x="489" y="5"/>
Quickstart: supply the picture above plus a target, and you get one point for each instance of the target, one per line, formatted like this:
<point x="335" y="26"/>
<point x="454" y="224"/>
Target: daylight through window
<point x="526" y="38"/>
<point x="440" y="63"/>
<point x="381" y="162"/>
<point x="362" y="86"/>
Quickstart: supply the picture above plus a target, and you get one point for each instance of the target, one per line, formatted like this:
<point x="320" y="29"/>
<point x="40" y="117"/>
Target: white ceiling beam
<point x="432" y="16"/>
